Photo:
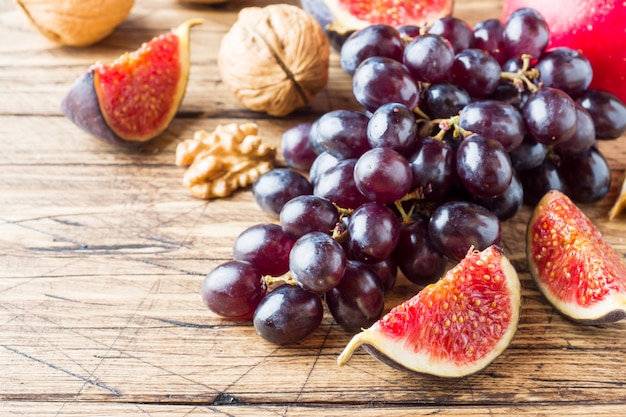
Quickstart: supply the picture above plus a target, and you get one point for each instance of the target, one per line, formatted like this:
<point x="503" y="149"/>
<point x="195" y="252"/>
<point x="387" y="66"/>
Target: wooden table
<point x="102" y="253"/>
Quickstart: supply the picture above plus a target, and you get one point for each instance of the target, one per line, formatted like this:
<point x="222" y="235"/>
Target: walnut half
<point x="231" y="157"/>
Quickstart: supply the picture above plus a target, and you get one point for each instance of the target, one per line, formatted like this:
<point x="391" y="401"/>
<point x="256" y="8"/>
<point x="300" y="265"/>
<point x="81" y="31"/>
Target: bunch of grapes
<point x="460" y="126"/>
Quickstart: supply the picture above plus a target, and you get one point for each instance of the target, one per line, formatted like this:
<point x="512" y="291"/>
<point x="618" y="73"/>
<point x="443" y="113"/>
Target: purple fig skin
<point x="324" y="17"/>
<point x="81" y="106"/>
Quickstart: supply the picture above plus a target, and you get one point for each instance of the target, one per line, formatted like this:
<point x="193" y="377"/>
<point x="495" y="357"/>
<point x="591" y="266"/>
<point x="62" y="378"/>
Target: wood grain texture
<point x="102" y="253"/>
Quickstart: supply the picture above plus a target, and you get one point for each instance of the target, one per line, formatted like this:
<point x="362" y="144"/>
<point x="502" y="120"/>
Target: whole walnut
<point x="274" y="58"/>
<point x="76" y="22"/>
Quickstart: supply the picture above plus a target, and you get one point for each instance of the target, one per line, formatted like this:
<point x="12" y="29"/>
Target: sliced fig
<point x="134" y="98"/>
<point x="574" y="267"/>
<point x="454" y="327"/>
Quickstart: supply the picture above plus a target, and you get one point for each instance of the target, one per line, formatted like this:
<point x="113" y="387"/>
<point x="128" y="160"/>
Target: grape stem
<point x="286" y="278"/>
<point x="523" y="77"/>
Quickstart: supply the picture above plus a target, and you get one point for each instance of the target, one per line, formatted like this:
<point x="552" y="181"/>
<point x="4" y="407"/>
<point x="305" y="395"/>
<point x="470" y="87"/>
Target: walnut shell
<point x="75" y="22"/>
<point x="274" y="58"/>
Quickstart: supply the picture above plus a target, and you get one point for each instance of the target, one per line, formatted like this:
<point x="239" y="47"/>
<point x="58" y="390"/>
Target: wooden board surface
<point x="102" y="253"/>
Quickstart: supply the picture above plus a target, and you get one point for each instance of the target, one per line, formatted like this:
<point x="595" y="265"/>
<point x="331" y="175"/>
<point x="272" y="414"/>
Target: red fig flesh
<point x="454" y="327"/>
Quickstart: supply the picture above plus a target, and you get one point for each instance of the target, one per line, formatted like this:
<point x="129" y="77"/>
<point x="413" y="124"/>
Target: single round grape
<point x="539" y="180"/>
<point x="296" y="147"/>
<point x="416" y="255"/>
<point x="566" y="69"/>
<point x="274" y="188"/>
<point x="233" y="289"/>
<point x="456" y="226"/>
<point x="433" y="168"/>
<point x="373" y="40"/>
<point x="343" y="133"/>
<point x="550" y="116"/>
<point x="308" y="213"/>
<point x="443" y="100"/>
<point x="380" y="80"/>
<point x="317" y="262"/>
<point x="528" y="154"/>
<point x="337" y="185"/>
<point x="525" y="32"/>
<point x="409" y="32"/>
<point x="488" y="37"/>
<point x="509" y="203"/>
<point x="476" y="72"/>
<point x="392" y="125"/>
<point x="428" y="58"/>
<point x="266" y="247"/>
<point x="455" y="30"/>
<point x="510" y="94"/>
<point x="387" y="272"/>
<point x="373" y="233"/>
<point x="288" y="314"/>
<point x="358" y="301"/>
<point x="587" y="176"/>
<point x="496" y="120"/>
<point x="607" y="111"/>
<point x="483" y="166"/>
<point x="383" y="175"/>
<point x="584" y="137"/>
<point x="321" y="164"/>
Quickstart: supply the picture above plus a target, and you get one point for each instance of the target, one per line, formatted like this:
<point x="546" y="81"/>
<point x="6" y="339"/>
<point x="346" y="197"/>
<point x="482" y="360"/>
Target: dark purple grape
<point x="433" y="167"/>
<point x="234" y="289"/>
<point x="387" y="271"/>
<point x="392" y="125"/>
<point x="409" y="32"/>
<point x="444" y="100"/>
<point x="321" y="164"/>
<point x="383" y="175"/>
<point x="343" y="133"/>
<point x="297" y="148"/>
<point x="308" y="213"/>
<point x="455" y="30"/>
<point x="337" y="185"/>
<point x="508" y="204"/>
<point x="566" y="69"/>
<point x="317" y="262"/>
<point x="373" y="40"/>
<point x="266" y="247"/>
<point x="496" y="120"/>
<point x="483" y="166"/>
<point x="607" y="111"/>
<point x="288" y="314"/>
<point x="416" y="255"/>
<point x="584" y="137"/>
<point x="488" y="37"/>
<point x="358" y="301"/>
<point x="428" y="58"/>
<point x="456" y="226"/>
<point x="380" y="80"/>
<point x="550" y="116"/>
<point x="528" y="154"/>
<point x="539" y="180"/>
<point x="274" y="188"/>
<point x="525" y="32"/>
<point x="476" y="72"/>
<point x="587" y="176"/>
<point x="510" y="94"/>
<point x="373" y="232"/>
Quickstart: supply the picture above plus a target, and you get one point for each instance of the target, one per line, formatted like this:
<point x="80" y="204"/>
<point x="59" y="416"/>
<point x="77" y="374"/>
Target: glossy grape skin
<point x="528" y="154"/>
<point x="317" y="262"/>
<point x="288" y="314"/>
<point x="495" y="120"/>
<point x="607" y="111"/>
<point x="233" y="289"/>
<point x="539" y="180"/>
<point x="337" y="185"/>
<point x="308" y="213"/>
<point x="483" y="166"/>
<point x="358" y="301"/>
<point x="509" y="203"/>
<point x="587" y="176"/>
<point x="274" y="188"/>
<point x="488" y="37"/>
<point x="383" y="175"/>
<point x="321" y="164"/>
<point x="566" y="69"/>
<point x="455" y="226"/>
<point x="550" y="116"/>
<point x="428" y="58"/>
<point x="525" y="32"/>
<point x="373" y="232"/>
<point x="416" y="256"/>
<point x="476" y="72"/>
<point x="373" y="40"/>
<point x="380" y="80"/>
<point x="443" y="100"/>
<point x="433" y="167"/>
<point x="343" y="133"/>
<point x="266" y="246"/>
<point x="455" y="30"/>
<point x="409" y="32"/>
<point x="387" y="272"/>
<point x="583" y="138"/>
<point x="296" y="147"/>
<point x="393" y="126"/>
